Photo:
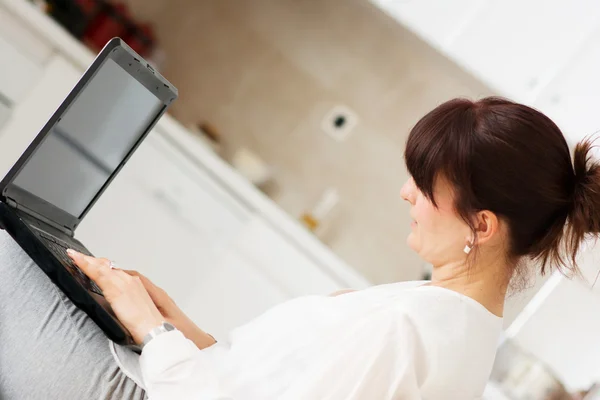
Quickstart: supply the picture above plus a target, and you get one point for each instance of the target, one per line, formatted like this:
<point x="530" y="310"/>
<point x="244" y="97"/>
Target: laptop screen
<point x="90" y="141"/>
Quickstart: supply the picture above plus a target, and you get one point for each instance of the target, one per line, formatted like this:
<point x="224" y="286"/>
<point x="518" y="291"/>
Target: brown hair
<point x="514" y="161"/>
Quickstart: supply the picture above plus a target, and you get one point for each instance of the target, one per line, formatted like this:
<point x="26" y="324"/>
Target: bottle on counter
<point x="315" y="218"/>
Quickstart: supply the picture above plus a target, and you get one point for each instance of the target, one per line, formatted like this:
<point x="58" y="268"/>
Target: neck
<point x="484" y="281"/>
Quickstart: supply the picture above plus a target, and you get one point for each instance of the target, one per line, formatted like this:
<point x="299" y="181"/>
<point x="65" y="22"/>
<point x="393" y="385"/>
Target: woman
<point x="492" y="186"/>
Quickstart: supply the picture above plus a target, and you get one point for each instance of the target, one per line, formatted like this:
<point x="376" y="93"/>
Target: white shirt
<point x="397" y="341"/>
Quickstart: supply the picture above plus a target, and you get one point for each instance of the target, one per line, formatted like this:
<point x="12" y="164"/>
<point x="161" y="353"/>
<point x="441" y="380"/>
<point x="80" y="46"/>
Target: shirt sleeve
<point x="174" y="368"/>
<point x="381" y="358"/>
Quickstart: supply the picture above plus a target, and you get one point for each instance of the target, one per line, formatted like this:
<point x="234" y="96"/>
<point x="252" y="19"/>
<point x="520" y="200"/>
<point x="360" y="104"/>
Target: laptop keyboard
<point x="59" y="248"/>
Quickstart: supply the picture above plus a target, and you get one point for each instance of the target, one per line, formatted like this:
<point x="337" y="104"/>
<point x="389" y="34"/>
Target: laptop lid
<point x="89" y="138"/>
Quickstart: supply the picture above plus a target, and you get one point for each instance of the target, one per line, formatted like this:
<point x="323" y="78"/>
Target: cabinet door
<point x="518" y="46"/>
<point x="260" y="269"/>
<point x="192" y="193"/>
<point x="572" y="99"/>
<point x="231" y="292"/>
<point x="282" y="261"/>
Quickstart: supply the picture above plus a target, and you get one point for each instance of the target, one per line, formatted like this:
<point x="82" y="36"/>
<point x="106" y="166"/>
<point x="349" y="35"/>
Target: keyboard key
<point x="59" y="249"/>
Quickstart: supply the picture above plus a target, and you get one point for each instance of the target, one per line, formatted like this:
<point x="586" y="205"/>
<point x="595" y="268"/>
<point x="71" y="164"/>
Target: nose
<point x="408" y="191"/>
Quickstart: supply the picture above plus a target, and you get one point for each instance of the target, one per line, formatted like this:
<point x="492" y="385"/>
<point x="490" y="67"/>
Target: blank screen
<point x="93" y="137"/>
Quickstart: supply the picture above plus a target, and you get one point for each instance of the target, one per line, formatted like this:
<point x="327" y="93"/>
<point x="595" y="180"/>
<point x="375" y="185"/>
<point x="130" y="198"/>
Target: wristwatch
<point x="162" y="328"/>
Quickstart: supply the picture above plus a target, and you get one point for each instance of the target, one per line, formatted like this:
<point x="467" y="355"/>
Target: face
<point x="438" y="235"/>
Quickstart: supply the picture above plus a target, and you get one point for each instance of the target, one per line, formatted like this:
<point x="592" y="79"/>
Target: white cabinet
<point x="161" y="219"/>
<point x="286" y="265"/>
<point x="436" y="21"/>
<point x="231" y="292"/>
<point x="518" y="46"/>
<point x="258" y="270"/>
<point x="4" y="113"/>
<point x="18" y="73"/>
<point x="572" y="99"/>
<point x="188" y="191"/>
<point x="30" y="114"/>
<point x="29" y="43"/>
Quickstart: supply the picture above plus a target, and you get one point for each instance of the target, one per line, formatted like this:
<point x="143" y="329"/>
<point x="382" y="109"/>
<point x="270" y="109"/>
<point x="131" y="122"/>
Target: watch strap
<point x="159" y="330"/>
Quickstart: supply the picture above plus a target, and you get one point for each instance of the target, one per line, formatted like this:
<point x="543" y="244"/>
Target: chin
<point x="411" y="242"/>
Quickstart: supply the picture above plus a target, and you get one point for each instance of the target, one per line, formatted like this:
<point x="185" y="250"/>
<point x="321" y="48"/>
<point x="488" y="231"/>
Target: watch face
<point x="168" y="327"/>
<point x="164" y="327"/>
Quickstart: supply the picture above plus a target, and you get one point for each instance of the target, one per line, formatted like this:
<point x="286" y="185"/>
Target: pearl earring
<point x="467" y="249"/>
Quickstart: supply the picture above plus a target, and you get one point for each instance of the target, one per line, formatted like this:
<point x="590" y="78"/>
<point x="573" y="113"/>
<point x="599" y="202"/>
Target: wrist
<point x="159" y="330"/>
<point x="142" y="330"/>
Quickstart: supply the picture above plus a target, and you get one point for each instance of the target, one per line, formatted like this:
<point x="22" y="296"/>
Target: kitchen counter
<point x="69" y="47"/>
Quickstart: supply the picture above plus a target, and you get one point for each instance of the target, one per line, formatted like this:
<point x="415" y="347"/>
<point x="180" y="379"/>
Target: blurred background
<point x="278" y="170"/>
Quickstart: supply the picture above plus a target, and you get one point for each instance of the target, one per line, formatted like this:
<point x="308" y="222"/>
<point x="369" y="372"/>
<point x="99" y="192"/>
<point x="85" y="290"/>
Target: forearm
<point x="174" y="315"/>
<point x="185" y="325"/>
<point x="191" y="331"/>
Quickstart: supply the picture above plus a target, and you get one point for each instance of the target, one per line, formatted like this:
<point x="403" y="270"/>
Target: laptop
<point x="71" y="162"/>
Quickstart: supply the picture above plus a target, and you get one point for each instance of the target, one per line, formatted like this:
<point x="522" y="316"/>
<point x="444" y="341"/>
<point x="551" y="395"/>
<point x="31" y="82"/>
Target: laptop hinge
<point x="39" y="217"/>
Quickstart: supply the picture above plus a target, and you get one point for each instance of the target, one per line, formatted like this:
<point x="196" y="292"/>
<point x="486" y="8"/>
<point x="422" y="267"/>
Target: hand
<point x="126" y="294"/>
<point x="173" y="314"/>
<point x="163" y="305"/>
<point x="163" y="302"/>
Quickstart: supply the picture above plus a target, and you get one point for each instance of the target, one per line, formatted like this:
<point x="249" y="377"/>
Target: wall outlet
<point x="339" y="122"/>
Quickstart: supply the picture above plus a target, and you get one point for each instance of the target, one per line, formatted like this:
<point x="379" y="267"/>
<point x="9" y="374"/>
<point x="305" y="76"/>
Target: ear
<point x="486" y="226"/>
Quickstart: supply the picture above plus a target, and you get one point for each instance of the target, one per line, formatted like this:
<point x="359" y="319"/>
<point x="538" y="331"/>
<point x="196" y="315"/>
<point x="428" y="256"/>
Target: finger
<point x="148" y="284"/>
<point x="132" y="272"/>
<point x="145" y="281"/>
<point x="98" y="270"/>
<point x="154" y="291"/>
<point x="90" y="266"/>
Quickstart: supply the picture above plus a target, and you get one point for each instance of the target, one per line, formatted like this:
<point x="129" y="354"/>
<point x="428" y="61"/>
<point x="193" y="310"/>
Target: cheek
<point x="425" y="216"/>
<point x="423" y="227"/>
<point x="435" y="232"/>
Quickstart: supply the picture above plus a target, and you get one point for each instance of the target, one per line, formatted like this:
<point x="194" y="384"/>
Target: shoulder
<point x="451" y="326"/>
<point x="398" y="344"/>
<point x="426" y="330"/>
<point x="442" y="317"/>
<point x="394" y="329"/>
